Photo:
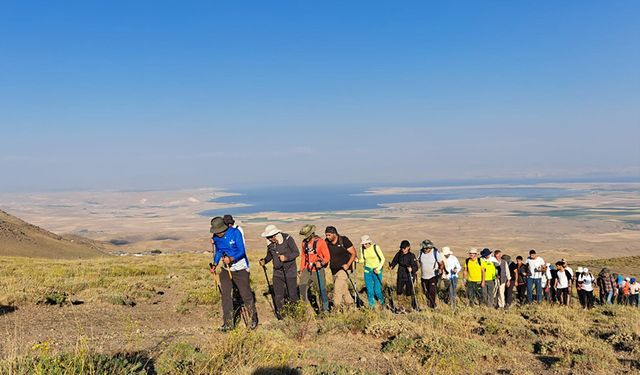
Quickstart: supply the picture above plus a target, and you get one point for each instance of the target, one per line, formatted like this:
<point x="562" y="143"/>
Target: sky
<point x="159" y="94"/>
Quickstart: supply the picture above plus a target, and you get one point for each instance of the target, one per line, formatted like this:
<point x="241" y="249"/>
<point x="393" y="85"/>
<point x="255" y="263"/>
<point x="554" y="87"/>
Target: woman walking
<point x="373" y="259"/>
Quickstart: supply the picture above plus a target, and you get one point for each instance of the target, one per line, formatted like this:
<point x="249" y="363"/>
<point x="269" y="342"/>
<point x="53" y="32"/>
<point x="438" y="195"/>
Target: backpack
<point x="466" y="262"/>
<point x="308" y="251"/>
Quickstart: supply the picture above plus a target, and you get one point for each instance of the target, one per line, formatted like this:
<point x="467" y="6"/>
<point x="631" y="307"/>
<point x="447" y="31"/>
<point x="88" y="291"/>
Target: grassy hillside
<point x="157" y="315"/>
<point x="19" y="238"/>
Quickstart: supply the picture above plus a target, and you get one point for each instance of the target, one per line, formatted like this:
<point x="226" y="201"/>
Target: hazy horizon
<point x="122" y="96"/>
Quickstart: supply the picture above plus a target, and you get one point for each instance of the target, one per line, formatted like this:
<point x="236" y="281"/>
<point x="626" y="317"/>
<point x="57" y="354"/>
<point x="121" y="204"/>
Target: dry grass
<point x="524" y="340"/>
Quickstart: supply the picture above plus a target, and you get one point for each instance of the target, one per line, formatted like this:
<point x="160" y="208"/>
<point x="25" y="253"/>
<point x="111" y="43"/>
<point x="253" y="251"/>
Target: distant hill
<point x="19" y="238"/>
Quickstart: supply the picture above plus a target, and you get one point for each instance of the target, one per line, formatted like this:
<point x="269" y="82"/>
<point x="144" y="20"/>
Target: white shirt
<point x="428" y="264"/>
<point x="563" y="281"/>
<point x="452" y="265"/>
<point x="535" y="264"/>
<point x="587" y="282"/>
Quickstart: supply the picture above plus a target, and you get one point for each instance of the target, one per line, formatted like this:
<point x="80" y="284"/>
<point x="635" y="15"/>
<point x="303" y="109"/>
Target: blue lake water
<point x="348" y="198"/>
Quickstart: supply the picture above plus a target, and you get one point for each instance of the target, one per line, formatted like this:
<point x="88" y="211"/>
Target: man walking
<point x="229" y="247"/>
<point x="489" y="278"/>
<point x="503" y="279"/>
<point x="537" y="267"/>
<point x="451" y="268"/>
<point x="474" y="276"/>
<point x="283" y="251"/>
<point x="431" y="266"/>
<point x="343" y="254"/>
<point x="315" y="258"/>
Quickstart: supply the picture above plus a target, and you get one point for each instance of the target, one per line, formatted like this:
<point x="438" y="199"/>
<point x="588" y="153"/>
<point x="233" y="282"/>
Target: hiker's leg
<point x="241" y="280"/>
<point x="305" y="283"/>
<point x="538" y="290"/>
<point x="369" y="282"/>
<point x="501" y="294"/>
<point x="529" y="289"/>
<point x="453" y="283"/>
<point x="292" y="287"/>
<point x="432" y="288"/>
<point x="278" y="291"/>
<point x="226" y="287"/>
<point x="491" y="286"/>
<point x="609" y="297"/>
<point x="341" y="294"/>
<point x="377" y="287"/>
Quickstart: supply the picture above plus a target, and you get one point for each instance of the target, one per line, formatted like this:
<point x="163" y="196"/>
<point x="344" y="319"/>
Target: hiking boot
<point x="254" y="324"/>
<point x="225" y="328"/>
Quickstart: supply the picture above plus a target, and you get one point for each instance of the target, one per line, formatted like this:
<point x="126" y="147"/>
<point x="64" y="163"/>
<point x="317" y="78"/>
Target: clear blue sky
<point x="158" y="94"/>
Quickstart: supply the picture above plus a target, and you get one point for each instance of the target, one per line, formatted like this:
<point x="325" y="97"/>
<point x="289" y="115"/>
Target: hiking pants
<point x="609" y="297"/>
<point x="373" y="283"/>
<point x="508" y="294"/>
<point x="582" y="297"/>
<point x="341" y="293"/>
<point x="285" y="290"/>
<point x="309" y="278"/>
<point x="522" y="293"/>
<point x="531" y="282"/>
<point x="404" y="287"/>
<point x="563" y="296"/>
<point x="430" y="289"/>
<point x="589" y="300"/>
<point x="474" y="292"/>
<point x="451" y="285"/>
<point x="499" y="294"/>
<point x="487" y="292"/>
<point x="241" y="281"/>
<point x="635" y="300"/>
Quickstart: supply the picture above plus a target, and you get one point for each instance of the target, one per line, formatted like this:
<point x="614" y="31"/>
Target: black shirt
<point x="289" y="249"/>
<point x="339" y="254"/>
<point x="404" y="261"/>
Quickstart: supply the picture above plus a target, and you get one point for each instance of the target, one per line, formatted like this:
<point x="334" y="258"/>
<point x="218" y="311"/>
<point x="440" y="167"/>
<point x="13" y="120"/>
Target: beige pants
<point x="341" y="293"/>
<point x="499" y="294"/>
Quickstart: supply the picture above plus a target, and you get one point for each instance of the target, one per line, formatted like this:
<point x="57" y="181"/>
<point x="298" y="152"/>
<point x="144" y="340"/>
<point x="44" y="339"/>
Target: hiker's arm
<point x="293" y="252"/>
<point x="382" y="259"/>
<point x="483" y="271"/>
<point x="352" y="258"/>
<point x="394" y="261"/>
<point x="268" y="257"/>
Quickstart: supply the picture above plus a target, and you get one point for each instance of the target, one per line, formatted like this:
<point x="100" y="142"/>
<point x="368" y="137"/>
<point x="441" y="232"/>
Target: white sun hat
<point x="473" y="250"/>
<point x="579" y="270"/>
<point x="270" y="230"/>
<point x="365" y="240"/>
<point x="446" y="251"/>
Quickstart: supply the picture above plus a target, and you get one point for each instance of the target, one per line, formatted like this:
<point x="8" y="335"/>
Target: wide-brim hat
<point x="446" y="251"/>
<point x="307" y="230"/>
<point x="579" y="269"/>
<point x="218" y="225"/>
<point x="473" y="250"/>
<point x="365" y="240"/>
<point x="485" y="252"/>
<point x="270" y="230"/>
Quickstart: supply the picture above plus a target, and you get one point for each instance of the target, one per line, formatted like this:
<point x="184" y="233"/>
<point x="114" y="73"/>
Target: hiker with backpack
<point x="605" y="286"/>
<point x="230" y="249"/>
<point x="373" y="259"/>
<point x="521" y="276"/>
<point x="586" y="281"/>
<point x="431" y="266"/>
<point x="315" y="258"/>
<point x="537" y="267"/>
<point x="503" y="278"/>
<point x="283" y="251"/>
<point x="407" y="271"/>
<point x="488" y="283"/>
<point x="343" y="254"/>
<point x="474" y="277"/>
<point x="562" y="284"/>
<point x="634" y="292"/>
<point x="451" y="268"/>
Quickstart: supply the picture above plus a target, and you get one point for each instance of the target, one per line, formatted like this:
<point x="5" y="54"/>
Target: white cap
<point x="365" y="239"/>
<point x="585" y="270"/>
<point x="446" y="251"/>
<point x="270" y="230"/>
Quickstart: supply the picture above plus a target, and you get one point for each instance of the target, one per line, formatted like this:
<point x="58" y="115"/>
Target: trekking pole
<point x="321" y="290"/>
<point x="413" y="291"/>
<point x="271" y="291"/>
<point x="356" y="298"/>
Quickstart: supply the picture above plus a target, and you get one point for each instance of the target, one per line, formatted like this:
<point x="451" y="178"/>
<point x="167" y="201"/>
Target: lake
<point x="349" y="198"/>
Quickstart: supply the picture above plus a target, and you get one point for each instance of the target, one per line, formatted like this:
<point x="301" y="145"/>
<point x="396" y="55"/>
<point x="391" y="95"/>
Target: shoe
<point x="225" y="328"/>
<point x="254" y="324"/>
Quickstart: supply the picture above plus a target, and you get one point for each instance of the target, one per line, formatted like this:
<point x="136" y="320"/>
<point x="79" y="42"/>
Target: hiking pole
<point x="356" y="298"/>
<point x="271" y="291"/>
<point x="413" y="292"/>
<point x="323" y="296"/>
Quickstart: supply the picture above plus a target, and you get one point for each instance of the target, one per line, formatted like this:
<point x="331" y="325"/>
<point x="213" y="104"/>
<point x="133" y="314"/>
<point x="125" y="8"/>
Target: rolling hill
<point x="19" y="238"/>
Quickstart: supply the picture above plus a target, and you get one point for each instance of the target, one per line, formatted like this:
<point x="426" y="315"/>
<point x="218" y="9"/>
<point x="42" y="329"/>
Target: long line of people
<point x="489" y="277"/>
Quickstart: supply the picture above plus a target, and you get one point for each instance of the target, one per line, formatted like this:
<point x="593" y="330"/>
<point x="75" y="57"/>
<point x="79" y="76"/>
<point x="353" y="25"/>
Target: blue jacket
<point x="231" y="245"/>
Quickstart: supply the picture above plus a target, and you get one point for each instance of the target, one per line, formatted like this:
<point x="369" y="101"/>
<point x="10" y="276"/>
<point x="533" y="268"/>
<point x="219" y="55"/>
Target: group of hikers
<point x="491" y="278"/>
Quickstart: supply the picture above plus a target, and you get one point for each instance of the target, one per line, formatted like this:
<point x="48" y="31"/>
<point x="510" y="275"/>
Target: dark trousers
<point x="582" y="297"/>
<point x="430" y="289"/>
<point x="634" y="300"/>
<point x="522" y="293"/>
<point x="589" y="299"/>
<point x="285" y="290"/>
<point x="508" y="295"/>
<point x="474" y="293"/>
<point x="241" y="282"/>
<point x="404" y="287"/>
<point x="562" y="295"/>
